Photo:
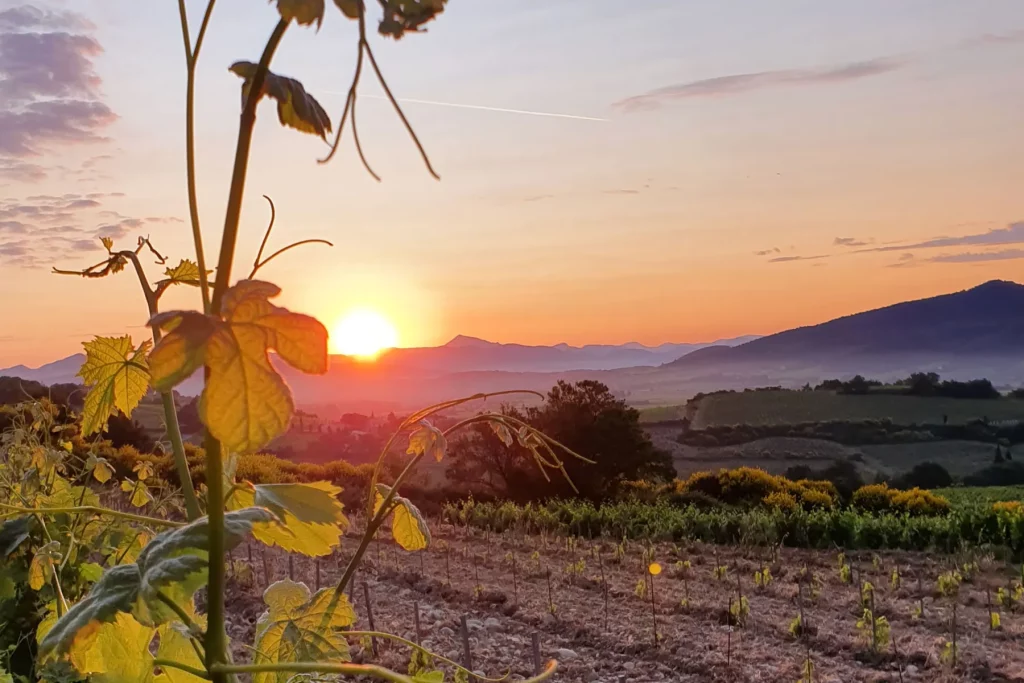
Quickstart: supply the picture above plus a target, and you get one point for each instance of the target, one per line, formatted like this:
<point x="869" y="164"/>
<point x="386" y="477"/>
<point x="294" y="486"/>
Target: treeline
<point x="856" y="433"/>
<point x="928" y="384"/>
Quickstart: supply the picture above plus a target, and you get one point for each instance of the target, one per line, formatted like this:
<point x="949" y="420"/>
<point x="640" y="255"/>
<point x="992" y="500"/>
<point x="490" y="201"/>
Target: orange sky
<point x="752" y="171"/>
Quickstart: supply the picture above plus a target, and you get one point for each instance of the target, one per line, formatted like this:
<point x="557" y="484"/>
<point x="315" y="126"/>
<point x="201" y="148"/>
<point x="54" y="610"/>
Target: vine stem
<point x="191" y="57"/>
<point x="192" y="509"/>
<point x="216" y="637"/>
<point x="369" y="670"/>
<point x="171" y="664"/>
<point x="86" y="509"/>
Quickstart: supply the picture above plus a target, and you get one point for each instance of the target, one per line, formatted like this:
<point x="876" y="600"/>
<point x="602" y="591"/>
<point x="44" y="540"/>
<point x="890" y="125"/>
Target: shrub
<point x="701" y="482"/>
<point x="926" y="475"/>
<point x="919" y="502"/>
<point x="699" y="500"/>
<point x="873" y="498"/>
<point x="780" y="500"/>
<point x="813" y="498"/>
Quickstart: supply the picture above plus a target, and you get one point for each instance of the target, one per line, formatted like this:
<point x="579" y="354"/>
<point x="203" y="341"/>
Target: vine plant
<point x="107" y="621"/>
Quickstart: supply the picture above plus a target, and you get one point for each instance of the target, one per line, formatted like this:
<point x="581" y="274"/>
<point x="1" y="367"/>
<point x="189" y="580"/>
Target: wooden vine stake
<point x="447" y="566"/>
<point x="896" y="655"/>
<point x="369" y="617"/>
<point x="266" y="569"/>
<point x="416" y="622"/>
<point x="551" y="601"/>
<point x="604" y="588"/>
<point x="728" y="636"/>
<point x="467" y="654"/>
<point x="535" y="642"/>
<point x="654" y="569"/>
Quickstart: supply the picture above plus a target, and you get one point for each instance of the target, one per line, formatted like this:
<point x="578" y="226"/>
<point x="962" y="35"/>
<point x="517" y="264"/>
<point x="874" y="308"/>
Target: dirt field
<point x="471" y="575"/>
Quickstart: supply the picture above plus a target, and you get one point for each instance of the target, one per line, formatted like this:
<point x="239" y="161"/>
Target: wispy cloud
<point x="1011" y="234"/>
<point x="787" y="259"/>
<point x="722" y="86"/>
<point x="850" y="242"/>
<point x="767" y="252"/>
<point x="979" y="257"/>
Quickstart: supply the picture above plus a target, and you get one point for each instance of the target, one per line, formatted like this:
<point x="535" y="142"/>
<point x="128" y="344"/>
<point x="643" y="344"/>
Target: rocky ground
<point x="606" y="635"/>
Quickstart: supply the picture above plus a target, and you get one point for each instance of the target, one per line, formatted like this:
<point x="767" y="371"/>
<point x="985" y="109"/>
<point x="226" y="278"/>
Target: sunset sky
<point x="723" y="168"/>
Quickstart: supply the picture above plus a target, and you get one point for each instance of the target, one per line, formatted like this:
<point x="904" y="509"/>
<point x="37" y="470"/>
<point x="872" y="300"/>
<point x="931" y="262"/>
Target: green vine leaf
<point x="176" y="647"/>
<point x="41" y="568"/>
<point x="118" y="377"/>
<point x="295" y="107"/>
<point x="304" y="12"/>
<point x="116" y="652"/>
<point x="428" y="440"/>
<point x="185" y="273"/>
<point x="100" y="467"/>
<point x="140" y="495"/>
<point x="311" y="518"/>
<point x="408" y="527"/>
<point x="174" y="563"/>
<point x="300" y="628"/>
<point x="245" y="404"/>
<point x="404" y="16"/>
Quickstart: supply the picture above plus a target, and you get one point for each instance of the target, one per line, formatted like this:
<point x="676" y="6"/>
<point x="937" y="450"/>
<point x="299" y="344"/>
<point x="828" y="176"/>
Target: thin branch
<point x="398" y="109"/>
<point x="85" y="509"/>
<point x="171" y="664"/>
<point x="284" y="249"/>
<point x="266" y="235"/>
<point x="202" y="31"/>
<point x="359" y="145"/>
<point x="350" y="100"/>
<point x="179" y="611"/>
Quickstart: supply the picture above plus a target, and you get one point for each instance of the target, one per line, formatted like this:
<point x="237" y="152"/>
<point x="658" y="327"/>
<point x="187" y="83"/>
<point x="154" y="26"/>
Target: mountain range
<point x="972" y="333"/>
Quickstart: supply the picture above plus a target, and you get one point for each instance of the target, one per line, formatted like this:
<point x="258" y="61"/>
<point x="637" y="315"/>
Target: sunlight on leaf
<point x="107" y="243"/>
<point x="101" y="468"/>
<point x="408" y="527"/>
<point x="117" y="652"/>
<point x="118" y="377"/>
<point x="311" y="517"/>
<point x="429" y="441"/>
<point x="300" y="628"/>
<point x="245" y="404"/>
<point x="175" y="646"/>
<point x="41" y="568"/>
<point x="185" y="273"/>
<point x="140" y="495"/>
<point x="295" y="107"/>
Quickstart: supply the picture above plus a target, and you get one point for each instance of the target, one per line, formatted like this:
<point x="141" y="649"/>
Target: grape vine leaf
<point x="118" y="377"/>
<point x="304" y="12"/>
<point x="245" y="403"/>
<point x="185" y="273"/>
<point x="100" y="467"/>
<point x="311" y="518"/>
<point x="408" y="527"/>
<point x="176" y="647"/>
<point x="300" y="628"/>
<point x="403" y="16"/>
<point x="140" y="495"/>
<point x="428" y="440"/>
<point x="116" y="652"/>
<point x="173" y="563"/>
<point x="295" y="107"/>
<point x="41" y="568"/>
<point x="350" y="8"/>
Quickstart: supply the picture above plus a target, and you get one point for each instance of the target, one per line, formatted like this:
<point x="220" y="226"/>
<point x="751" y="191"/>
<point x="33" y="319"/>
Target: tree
<point x="925" y="475"/>
<point x="588" y="419"/>
<point x="123" y="431"/>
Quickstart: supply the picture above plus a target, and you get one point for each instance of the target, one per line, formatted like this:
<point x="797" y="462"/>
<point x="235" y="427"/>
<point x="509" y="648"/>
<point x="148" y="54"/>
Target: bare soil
<point x="469" y="574"/>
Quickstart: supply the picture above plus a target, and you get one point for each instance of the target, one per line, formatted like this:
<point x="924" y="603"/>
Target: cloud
<point x="786" y="259"/>
<point x="849" y="242"/>
<point x="997" y="39"/>
<point x="620" y="191"/>
<point x="722" y="86"/>
<point x="119" y="229"/>
<point x="49" y="88"/>
<point x="1011" y="234"/>
<point x="766" y="252"/>
<point x="979" y="257"/>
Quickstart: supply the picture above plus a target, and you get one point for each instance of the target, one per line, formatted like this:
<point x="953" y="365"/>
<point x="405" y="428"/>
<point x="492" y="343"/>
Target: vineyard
<point x="721" y="613"/>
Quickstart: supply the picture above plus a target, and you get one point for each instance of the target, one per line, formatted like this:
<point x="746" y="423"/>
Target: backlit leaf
<point x="304" y="12"/>
<point x="102" y="471"/>
<point x="401" y="16"/>
<point x="300" y="628"/>
<point x="295" y="107"/>
<point x="140" y="495"/>
<point x="429" y="441"/>
<point x="90" y="571"/>
<point x="310" y="521"/>
<point x="107" y="242"/>
<point x="408" y="527"/>
<point x="175" y="646"/>
<point x="47" y="621"/>
<point x="173" y="563"/>
<point x="143" y="470"/>
<point x="41" y="568"/>
<point x="117" y="652"/>
<point x="118" y="377"/>
<point x="245" y="404"/>
<point x="185" y="273"/>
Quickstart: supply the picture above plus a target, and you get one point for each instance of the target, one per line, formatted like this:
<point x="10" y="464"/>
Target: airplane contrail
<point x="480" y="107"/>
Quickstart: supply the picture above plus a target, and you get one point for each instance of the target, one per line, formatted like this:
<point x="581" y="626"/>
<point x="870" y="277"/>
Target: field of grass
<point x="970" y="495"/>
<point x="792" y="407"/>
<point x="662" y="413"/>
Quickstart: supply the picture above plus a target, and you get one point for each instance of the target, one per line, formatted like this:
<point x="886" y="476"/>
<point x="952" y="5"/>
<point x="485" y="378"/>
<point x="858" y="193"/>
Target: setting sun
<point x="363" y="333"/>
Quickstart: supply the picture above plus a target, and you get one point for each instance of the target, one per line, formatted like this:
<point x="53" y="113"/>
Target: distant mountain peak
<point x="462" y="341"/>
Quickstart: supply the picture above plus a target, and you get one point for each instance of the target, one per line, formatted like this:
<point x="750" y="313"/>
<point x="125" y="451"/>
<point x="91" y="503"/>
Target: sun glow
<point x="363" y="333"/>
